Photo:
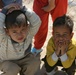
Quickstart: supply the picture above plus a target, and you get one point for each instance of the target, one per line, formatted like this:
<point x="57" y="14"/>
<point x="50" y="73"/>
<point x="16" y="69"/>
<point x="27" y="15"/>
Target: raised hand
<point x="11" y="7"/>
<point x="61" y="47"/>
<point x="50" y="6"/>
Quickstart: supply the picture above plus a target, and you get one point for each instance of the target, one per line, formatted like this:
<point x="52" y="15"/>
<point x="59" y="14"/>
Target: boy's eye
<point x="64" y="35"/>
<point x="58" y="35"/>
<point x="23" y="30"/>
<point x="14" y="32"/>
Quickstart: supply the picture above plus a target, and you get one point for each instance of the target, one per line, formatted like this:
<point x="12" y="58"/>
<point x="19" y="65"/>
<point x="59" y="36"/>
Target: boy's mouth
<point x="20" y="38"/>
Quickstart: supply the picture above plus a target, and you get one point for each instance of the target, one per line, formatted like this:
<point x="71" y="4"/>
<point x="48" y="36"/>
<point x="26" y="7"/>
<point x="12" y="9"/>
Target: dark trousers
<point x="70" y="70"/>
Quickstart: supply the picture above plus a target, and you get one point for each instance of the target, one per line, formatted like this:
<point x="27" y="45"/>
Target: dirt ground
<point x="71" y="11"/>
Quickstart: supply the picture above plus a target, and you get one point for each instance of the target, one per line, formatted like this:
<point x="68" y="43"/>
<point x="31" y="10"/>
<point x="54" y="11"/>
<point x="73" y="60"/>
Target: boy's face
<point x="61" y="35"/>
<point x="18" y="34"/>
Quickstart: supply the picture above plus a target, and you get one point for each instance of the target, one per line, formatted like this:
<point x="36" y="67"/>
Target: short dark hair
<point x="64" y="20"/>
<point x="15" y="18"/>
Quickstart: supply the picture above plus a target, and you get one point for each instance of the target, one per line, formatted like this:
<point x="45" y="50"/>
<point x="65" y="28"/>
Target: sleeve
<point x="2" y="24"/>
<point x="34" y="20"/>
<point x="68" y="58"/>
<point x="51" y="56"/>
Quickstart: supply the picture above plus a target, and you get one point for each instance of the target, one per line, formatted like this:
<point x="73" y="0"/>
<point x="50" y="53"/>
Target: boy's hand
<point x="47" y="8"/>
<point x="57" y="48"/>
<point x="61" y="47"/>
<point x="50" y="6"/>
<point x="64" y="47"/>
<point x="11" y="7"/>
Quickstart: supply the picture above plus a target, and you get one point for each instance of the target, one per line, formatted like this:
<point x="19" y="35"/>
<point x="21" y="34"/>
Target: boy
<point x="15" y="40"/>
<point x="43" y="8"/>
<point x="61" y="47"/>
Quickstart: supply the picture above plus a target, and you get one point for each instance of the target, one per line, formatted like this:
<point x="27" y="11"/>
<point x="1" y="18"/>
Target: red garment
<point x="59" y="10"/>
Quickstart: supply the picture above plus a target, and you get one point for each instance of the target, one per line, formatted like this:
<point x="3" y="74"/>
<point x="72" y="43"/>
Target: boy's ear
<point x="6" y="30"/>
<point x="72" y="35"/>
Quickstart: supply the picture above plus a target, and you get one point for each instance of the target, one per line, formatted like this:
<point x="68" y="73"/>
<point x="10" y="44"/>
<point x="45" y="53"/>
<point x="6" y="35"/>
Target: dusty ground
<point x="71" y="11"/>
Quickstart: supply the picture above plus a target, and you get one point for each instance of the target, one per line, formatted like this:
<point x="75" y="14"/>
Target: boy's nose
<point x="19" y="34"/>
<point x="61" y="37"/>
